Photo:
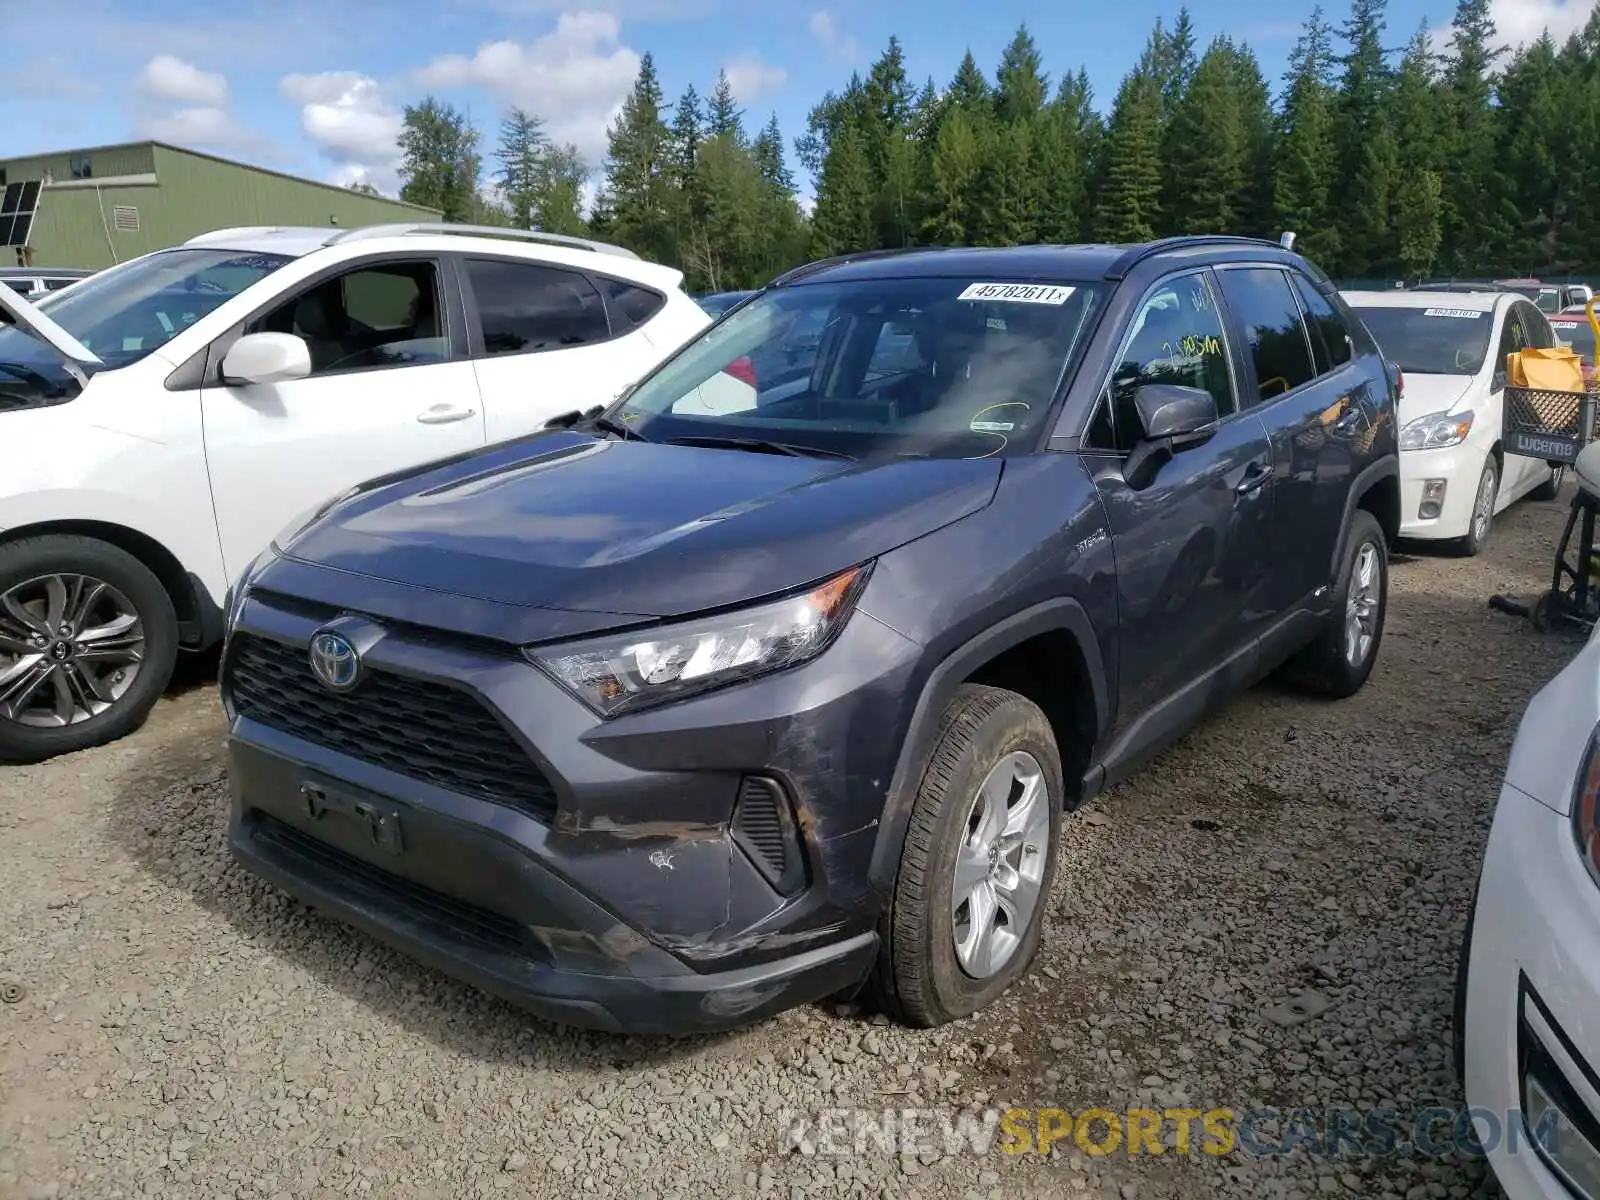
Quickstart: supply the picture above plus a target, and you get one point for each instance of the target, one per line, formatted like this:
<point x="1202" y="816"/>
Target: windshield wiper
<point x="50" y="389"/>
<point x="593" y="419"/>
<point x="760" y="446"/>
<point x="607" y="425"/>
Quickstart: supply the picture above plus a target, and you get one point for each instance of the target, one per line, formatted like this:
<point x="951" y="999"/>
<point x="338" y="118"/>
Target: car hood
<point x="1426" y="394"/>
<point x="27" y="316"/>
<point x="566" y="521"/>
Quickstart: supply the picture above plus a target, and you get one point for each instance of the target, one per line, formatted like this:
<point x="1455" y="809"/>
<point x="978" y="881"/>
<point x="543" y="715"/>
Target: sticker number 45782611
<point x="1018" y="293"/>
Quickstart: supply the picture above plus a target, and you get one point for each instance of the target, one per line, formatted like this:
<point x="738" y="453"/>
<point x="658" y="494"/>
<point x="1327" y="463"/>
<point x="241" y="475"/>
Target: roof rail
<point x="795" y="274"/>
<point x="1134" y="255"/>
<point x="248" y="231"/>
<point x="521" y="235"/>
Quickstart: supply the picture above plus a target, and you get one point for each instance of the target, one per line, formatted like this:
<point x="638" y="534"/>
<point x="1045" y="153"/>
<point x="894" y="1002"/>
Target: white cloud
<point x="575" y="77"/>
<point x="349" y="119"/>
<point x="166" y="77"/>
<point x="840" y="47"/>
<point x="203" y="127"/>
<point x="1518" y="22"/>
<point x="749" y="77"/>
<point x="1522" y="21"/>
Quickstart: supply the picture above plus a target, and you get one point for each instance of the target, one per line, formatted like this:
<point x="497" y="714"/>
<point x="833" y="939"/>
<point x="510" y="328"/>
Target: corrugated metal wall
<point x="103" y="223"/>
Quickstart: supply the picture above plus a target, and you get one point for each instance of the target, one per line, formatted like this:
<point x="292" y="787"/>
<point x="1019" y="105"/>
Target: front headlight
<point x="629" y="671"/>
<point x="1586" y="808"/>
<point x="1436" y="431"/>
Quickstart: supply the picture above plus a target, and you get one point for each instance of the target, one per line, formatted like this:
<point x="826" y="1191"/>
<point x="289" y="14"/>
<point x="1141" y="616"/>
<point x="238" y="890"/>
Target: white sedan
<point x="1528" y="995"/>
<point x="1451" y="348"/>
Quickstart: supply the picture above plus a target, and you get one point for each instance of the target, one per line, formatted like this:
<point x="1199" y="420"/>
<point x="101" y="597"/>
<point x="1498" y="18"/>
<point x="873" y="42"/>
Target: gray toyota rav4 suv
<point x="772" y="680"/>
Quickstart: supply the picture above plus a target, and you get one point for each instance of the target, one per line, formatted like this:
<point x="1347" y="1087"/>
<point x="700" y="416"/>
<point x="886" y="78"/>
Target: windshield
<point x="715" y="306"/>
<point x="1575" y="331"/>
<point x="1431" y="341"/>
<point x="126" y="312"/>
<point x="950" y="367"/>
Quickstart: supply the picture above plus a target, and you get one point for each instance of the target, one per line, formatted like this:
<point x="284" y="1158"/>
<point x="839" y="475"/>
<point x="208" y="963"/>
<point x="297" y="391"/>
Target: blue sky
<point x="316" y="87"/>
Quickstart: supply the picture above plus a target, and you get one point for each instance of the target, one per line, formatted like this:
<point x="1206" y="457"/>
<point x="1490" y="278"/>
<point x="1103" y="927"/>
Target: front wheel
<point x="1481" y="521"/>
<point x="88" y="641"/>
<point x="968" y="906"/>
<point x="1338" y="662"/>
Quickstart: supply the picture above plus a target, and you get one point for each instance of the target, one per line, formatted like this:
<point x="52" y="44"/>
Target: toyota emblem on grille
<point x="335" y="662"/>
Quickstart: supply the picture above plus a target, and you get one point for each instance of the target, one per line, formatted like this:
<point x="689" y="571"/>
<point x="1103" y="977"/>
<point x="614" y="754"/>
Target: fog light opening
<point x="1432" y="499"/>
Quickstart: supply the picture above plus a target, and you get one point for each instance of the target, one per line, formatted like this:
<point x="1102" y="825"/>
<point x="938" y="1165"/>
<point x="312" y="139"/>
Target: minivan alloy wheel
<point x="70" y="647"/>
<point x="1000" y="865"/>
<point x="1361" y="604"/>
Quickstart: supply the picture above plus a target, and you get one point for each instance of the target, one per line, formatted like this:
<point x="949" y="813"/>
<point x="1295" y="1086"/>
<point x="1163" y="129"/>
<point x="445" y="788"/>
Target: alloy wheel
<point x="1361" y="605"/>
<point x="70" y="648"/>
<point x="1000" y="865"/>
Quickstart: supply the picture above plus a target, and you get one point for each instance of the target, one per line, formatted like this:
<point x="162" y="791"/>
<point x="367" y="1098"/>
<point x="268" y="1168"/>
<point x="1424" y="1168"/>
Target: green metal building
<point x="93" y="208"/>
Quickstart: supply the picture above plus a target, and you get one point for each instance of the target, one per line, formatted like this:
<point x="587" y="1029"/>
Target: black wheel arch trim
<point x="1051" y="616"/>
<point x="1370" y="476"/>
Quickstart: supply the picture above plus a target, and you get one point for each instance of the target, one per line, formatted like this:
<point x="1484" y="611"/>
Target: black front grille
<point x="456" y="920"/>
<point x="424" y="730"/>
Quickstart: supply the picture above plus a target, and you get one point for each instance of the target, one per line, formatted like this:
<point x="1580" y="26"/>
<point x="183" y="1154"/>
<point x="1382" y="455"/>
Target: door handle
<point x="443" y="414"/>
<point x="1255" y="478"/>
<point x="1349" y="423"/>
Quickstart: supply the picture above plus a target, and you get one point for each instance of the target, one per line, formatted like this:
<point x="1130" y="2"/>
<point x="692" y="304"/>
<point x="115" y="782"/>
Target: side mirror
<point x="1181" y="415"/>
<point x="267" y="358"/>
<point x="1174" y="418"/>
<point x="1498" y="382"/>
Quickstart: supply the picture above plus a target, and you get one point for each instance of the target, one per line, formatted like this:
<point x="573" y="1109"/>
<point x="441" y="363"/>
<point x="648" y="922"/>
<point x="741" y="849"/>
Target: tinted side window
<point x="1261" y="299"/>
<point x="631" y="306"/>
<point x="525" y="306"/>
<point x="1536" y="326"/>
<point x="1330" y="338"/>
<point x="1176" y="338"/>
<point x="1513" y="337"/>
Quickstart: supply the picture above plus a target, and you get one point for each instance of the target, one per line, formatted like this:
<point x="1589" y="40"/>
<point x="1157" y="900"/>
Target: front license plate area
<point x="378" y="819"/>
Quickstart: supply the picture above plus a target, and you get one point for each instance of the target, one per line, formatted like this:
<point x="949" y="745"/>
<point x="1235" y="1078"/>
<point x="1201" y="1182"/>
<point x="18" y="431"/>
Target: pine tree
<point x="638" y="170"/>
<point x="1209" y="161"/>
<point x="522" y="141"/>
<point x="843" y="220"/>
<point x="557" y="194"/>
<point x="1021" y="87"/>
<point x="723" y="116"/>
<point x="1475" y="221"/>
<point x="1129" y="206"/>
<point x="969" y="89"/>
<point x="1303" y="178"/>
<point x="1364" y="147"/>
<point x="1063" y="150"/>
<point x="956" y="168"/>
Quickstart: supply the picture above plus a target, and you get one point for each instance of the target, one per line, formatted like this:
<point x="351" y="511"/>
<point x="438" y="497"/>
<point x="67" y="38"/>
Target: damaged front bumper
<point x="687" y="869"/>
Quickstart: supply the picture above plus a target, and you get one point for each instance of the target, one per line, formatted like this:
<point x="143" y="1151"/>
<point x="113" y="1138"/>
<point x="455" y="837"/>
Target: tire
<point x="112" y="692"/>
<point x="1479" y="524"/>
<point x="1550" y="488"/>
<point x="919" y="978"/>
<point x="1325" y="667"/>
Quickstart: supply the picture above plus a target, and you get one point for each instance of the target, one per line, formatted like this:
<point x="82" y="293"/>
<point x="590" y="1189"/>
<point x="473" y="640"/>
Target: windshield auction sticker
<point x="1018" y="293"/>
<point x="1465" y="314"/>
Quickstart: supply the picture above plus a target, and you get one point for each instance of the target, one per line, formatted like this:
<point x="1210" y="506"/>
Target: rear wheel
<point x="88" y="640"/>
<point x="1338" y="662"/>
<point x="1550" y="488"/>
<point x="969" y="900"/>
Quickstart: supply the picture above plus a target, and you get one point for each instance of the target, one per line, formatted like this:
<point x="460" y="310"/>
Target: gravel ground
<point x="186" y="1031"/>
